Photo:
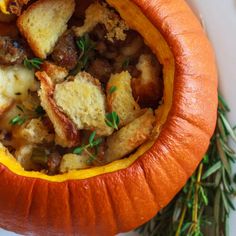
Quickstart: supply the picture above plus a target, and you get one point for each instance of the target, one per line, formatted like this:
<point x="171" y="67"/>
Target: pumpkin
<point x="126" y="193"/>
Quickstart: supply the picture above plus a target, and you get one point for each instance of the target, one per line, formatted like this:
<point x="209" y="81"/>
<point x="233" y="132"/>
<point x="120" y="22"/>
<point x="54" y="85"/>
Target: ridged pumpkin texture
<point x="121" y="199"/>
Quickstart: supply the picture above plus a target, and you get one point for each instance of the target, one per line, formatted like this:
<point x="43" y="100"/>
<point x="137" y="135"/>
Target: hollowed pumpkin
<point x="125" y="194"/>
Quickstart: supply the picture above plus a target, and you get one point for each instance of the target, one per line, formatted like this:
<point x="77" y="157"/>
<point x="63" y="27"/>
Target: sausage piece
<point x="65" y="52"/>
<point x="11" y="51"/>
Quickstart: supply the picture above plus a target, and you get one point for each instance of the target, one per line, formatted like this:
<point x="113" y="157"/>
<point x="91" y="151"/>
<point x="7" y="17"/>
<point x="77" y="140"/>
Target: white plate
<point x="220" y="20"/>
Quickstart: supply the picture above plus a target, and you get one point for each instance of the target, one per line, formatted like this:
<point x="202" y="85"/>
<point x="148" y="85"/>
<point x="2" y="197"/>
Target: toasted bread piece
<point x="73" y="162"/>
<point x="34" y="131"/>
<point x="67" y="134"/>
<point x="44" y="22"/>
<point x="16" y="81"/>
<point x="121" y="100"/>
<point x="23" y="156"/>
<point x="148" y="88"/>
<point x="5" y="103"/>
<point x="56" y="73"/>
<point x="128" y="138"/>
<point x="83" y="101"/>
<point x="98" y="13"/>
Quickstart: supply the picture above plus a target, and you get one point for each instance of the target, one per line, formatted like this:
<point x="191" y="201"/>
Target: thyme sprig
<point x="92" y="144"/>
<point x="33" y="63"/>
<point x="86" y="46"/>
<point x="206" y="199"/>
<point x="112" y="120"/>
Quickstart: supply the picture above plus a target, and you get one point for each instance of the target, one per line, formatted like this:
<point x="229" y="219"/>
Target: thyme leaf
<point x="93" y="144"/>
<point x="33" y="63"/>
<point x="112" y="120"/>
<point x="112" y="89"/>
<point x="17" y="120"/>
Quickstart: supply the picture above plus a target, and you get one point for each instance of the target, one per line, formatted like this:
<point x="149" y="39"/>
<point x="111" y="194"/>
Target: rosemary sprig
<point x="112" y="120"/>
<point x="93" y="144"/>
<point x="206" y="199"/>
<point x="33" y="63"/>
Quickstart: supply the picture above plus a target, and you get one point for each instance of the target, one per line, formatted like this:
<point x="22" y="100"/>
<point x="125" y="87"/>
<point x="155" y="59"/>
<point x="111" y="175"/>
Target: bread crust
<point x="67" y="135"/>
<point x="37" y="24"/>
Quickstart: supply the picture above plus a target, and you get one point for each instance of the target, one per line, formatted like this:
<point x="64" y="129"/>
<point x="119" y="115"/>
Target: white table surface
<point x="219" y="17"/>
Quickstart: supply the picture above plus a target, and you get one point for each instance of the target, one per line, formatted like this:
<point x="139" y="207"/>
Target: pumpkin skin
<point x="121" y="200"/>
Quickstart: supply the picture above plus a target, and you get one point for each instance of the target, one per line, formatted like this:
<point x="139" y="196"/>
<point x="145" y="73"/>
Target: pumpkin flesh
<point x="130" y="191"/>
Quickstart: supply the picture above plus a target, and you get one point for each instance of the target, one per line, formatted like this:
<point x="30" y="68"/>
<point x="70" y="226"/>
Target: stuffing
<point x="121" y="100"/>
<point x="83" y="101"/>
<point x="66" y="132"/>
<point x="23" y="156"/>
<point x="16" y="81"/>
<point x="148" y="87"/>
<point x="5" y="103"/>
<point x="73" y="162"/>
<point x="35" y="132"/>
<point x="14" y="6"/>
<point x="97" y="13"/>
<point x="37" y="24"/>
<point x="11" y="51"/>
<point x="56" y="73"/>
<point x="128" y="138"/>
<point x="7" y="18"/>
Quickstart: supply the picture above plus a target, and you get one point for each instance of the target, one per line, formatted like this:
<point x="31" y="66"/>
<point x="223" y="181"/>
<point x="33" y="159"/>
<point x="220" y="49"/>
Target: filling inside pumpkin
<point x="79" y="86"/>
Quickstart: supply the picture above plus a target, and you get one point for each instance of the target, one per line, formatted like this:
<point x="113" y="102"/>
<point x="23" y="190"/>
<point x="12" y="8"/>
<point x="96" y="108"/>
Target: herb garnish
<point x="93" y="144"/>
<point x="112" y="89"/>
<point x="205" y="201"/>
<point x="112" y="120"/>
<point x="33" y="63"/>
<point x="17" y="120"/>
<point x="86" y="45"/>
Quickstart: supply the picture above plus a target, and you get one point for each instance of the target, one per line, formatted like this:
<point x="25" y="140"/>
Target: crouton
<point x="44" y="22"/>
<point x="83" y="101"/>
<point x="5" y="103"/>
<point x="73" y="162"/>
<point x="23" y="156"/>
<point x="35" y="132"/>
<point x="148" y="87"/>
<point x="128" y="138"/>
<point x="16" y="81"/>
<point x="97" y="13"/>
<point x="67" y="134"/>
<point x="121" y="100"/>
<point x="56" y="73"/>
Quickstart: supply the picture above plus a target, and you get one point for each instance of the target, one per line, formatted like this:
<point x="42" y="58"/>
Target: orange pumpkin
<point x="127" y="193"/>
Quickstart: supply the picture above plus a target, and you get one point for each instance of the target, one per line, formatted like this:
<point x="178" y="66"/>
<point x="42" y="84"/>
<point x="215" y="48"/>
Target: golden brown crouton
<point x="121" y="100"/>
<point x="5" y="103"/>
<point x="97" y="13"/>
<point x="44" y="22"/>
<point x="35" y="132"/>
<point x="56" y="73"/>
<point x="148" y="88"/>
<point x="73" y="162"/>
<point x="128" y="138"/>
<point x="23" y="156"/>
<point x="83" y="101"/>
<point x="67" y="134"/>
